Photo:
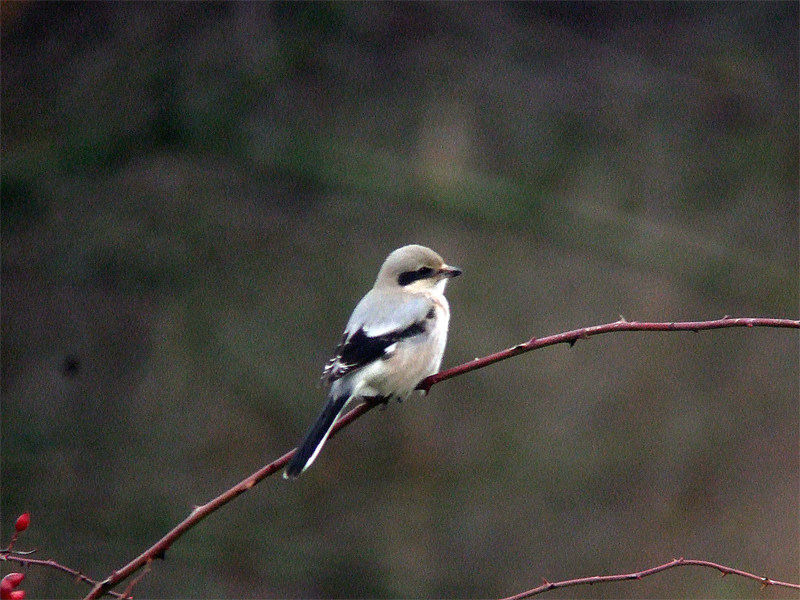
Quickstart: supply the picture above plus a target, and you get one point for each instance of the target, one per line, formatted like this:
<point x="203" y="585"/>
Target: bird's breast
<point x="410" y="360"/>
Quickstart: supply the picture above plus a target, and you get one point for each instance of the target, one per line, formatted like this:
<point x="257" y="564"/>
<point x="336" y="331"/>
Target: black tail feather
<point x="310" y="446"/>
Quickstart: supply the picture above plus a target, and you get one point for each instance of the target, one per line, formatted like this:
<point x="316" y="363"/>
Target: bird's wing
<point x="376" y="325"/>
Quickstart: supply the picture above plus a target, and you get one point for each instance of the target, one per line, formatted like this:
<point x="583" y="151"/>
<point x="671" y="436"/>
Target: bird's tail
<point x="309" y="448"/>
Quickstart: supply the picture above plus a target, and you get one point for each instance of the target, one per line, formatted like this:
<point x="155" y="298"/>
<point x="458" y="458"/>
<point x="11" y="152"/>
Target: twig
<point x="159" y="549"/>
<point x="570" y="337"/>
<point x="23" y="560"/>
<point x="678" y="562"/>
<point x="128" y="593"/>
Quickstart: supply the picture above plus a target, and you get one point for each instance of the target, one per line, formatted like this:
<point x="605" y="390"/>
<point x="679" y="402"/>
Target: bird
<point x="394" y="339"/>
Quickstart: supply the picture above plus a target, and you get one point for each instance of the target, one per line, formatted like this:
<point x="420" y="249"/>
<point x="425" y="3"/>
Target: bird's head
<point x="415" y="268"/>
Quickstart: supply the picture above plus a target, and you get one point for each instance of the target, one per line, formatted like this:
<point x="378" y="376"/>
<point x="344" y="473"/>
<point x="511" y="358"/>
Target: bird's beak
<point x="449" y="272"/>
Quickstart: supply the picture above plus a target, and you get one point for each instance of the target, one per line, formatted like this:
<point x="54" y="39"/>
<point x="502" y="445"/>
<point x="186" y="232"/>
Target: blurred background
<point x="195" y="195"/>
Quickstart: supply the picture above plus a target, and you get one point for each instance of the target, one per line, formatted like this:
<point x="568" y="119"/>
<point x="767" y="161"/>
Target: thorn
<point x="572" y="342"/>
<point x="545" y="582"/>
<point x="726" y="317"/>
<point x="622" y="319"/>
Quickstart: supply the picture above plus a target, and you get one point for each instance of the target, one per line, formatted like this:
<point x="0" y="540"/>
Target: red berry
<point x="22" y="522"/>
<point x="8" y="584"/>
<point x="13" y="579"/>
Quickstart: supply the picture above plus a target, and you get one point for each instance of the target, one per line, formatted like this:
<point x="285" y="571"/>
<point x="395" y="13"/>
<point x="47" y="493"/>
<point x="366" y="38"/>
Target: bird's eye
<point x="424" y="272"/>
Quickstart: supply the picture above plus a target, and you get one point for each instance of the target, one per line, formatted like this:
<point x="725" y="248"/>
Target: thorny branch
<point x="159" y="549"/>
<point x="571" y="337"/>
<point x="23" y="559"/>
<point x="678" y="562"/>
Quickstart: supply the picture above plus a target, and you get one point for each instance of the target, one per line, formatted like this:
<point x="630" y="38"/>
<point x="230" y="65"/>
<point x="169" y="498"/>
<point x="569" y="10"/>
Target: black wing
<point x="359" y="349"/>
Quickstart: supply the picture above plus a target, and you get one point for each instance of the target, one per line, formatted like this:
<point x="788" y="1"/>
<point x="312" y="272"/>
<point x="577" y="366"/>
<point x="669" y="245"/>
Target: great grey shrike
<point x="394" y="339"/>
